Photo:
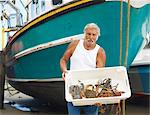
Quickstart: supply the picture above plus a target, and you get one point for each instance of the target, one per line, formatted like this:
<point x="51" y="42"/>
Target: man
<point x="84" y="54"/>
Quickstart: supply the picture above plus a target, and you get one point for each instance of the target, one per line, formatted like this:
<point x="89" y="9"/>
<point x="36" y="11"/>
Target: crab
<point x="89" y="91"/>
<point x="75" y="90"/>
<point x="101" y="89"/>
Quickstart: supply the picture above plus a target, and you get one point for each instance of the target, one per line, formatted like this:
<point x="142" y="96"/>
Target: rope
<point x="127" y="47"/>
<point x="121" y="10"/>
<point x="118" y="109"/>
<point x="127" y="34"/>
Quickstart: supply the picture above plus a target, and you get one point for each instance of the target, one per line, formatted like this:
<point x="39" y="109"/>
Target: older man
<point x="84" y="54"/>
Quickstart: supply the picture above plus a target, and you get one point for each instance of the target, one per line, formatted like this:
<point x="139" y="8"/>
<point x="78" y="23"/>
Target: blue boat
<point x="139" y="73"/>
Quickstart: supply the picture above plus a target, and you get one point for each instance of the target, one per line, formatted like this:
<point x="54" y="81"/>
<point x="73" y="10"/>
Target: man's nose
<point x="91" y="36"/>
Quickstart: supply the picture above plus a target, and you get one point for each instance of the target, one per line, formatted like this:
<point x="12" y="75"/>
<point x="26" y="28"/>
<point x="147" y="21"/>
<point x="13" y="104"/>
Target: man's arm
<point x="67" y="55"/>
<point x="101" y="58"/>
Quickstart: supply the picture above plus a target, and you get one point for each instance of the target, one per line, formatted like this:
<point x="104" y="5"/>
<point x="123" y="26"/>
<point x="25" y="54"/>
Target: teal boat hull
<point x="43" y="65"/>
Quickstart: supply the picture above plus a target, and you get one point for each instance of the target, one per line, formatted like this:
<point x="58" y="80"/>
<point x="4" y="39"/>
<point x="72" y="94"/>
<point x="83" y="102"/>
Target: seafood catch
<point x="101" y="89"/>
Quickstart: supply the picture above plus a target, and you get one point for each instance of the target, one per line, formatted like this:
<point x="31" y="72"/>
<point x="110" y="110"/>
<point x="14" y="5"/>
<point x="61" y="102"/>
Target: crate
<point x="117" y="74"/>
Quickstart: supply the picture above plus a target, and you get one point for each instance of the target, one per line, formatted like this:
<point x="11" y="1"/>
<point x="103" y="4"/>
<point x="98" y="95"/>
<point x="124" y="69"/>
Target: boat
<point x="139" y="73"/>
<point x="33" y="53"/>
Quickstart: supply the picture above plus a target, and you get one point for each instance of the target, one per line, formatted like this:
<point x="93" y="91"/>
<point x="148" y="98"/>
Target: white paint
<point x="135" y="3"/>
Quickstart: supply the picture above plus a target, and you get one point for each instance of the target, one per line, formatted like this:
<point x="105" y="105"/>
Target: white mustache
<point x="89" y="40"/>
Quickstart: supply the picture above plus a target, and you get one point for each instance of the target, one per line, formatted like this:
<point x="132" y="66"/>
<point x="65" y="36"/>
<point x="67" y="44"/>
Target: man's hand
<point x="64" y="74"/>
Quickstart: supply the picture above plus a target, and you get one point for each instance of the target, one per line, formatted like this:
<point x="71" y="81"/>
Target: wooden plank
<point x="2" y="80"/>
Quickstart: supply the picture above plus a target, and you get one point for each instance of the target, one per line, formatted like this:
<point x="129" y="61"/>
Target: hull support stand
<point x="2" y="79"/>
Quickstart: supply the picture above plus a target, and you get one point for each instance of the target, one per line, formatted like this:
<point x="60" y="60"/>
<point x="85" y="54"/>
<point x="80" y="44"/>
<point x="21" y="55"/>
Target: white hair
<point x="94" y="26"/>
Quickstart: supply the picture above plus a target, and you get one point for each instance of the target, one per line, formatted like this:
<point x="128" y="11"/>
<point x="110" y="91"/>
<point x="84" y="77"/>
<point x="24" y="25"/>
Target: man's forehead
<point x="91" y="30"/>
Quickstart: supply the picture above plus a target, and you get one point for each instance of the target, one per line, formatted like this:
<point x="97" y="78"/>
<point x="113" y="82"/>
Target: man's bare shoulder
<point x="101" y="50"/>
<point x="73" y="44"/>
<point x="70" y="49"/>
<point x="101" y="55"/>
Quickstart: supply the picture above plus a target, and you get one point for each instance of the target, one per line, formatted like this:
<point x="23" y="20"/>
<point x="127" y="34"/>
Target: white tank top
<point x="82" y="58"/>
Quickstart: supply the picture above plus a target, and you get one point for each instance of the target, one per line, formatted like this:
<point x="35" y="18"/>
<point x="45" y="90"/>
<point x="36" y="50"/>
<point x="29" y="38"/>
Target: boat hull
<point x="44" y="64"/>
<point x="139" y="77"/>
<point x="65" y="21"/>
<point x="51" y="92"/>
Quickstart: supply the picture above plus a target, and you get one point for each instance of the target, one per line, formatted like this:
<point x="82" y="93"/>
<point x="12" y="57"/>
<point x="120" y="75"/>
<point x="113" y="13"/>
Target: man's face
<point x="91" y="35"/>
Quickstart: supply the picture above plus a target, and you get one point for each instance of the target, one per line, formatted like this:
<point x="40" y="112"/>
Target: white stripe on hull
<point x="48" y="45"/>
<point x="135" y="3"/>
<point x="34" y="80"/>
